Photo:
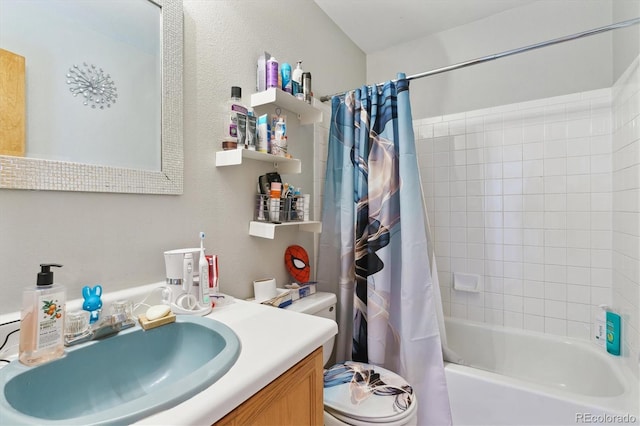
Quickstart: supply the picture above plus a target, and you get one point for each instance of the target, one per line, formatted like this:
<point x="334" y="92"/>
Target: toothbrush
<point x="204" y="275"/>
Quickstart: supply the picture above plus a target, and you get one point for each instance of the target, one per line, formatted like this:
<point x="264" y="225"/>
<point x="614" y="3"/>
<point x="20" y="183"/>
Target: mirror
<point x="141" y="149"/>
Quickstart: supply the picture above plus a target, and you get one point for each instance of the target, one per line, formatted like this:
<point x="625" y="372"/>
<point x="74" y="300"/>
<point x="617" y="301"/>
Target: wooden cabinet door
<point x="293" y="399"/>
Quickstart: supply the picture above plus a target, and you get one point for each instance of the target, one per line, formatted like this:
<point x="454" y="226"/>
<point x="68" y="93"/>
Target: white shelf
<point x="307" y="113"/>
<point x="268" y="230"/>
<point x="233" y="157"/>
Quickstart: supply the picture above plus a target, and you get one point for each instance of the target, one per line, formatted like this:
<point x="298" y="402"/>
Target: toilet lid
<point x="367" y="393"/>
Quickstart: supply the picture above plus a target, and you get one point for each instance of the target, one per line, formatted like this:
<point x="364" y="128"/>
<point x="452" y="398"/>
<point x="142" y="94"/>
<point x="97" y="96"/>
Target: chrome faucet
<point x="78" y="330"/>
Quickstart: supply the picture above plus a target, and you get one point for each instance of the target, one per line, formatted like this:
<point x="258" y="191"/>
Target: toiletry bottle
<point x="600" y="327"/>
<point x="296" y="81"/>
<point x="233" y="107"/>
<point x="272" y="73"/>
<point x="306" y="87"/>
<point x="285" y="72"/>
<point x="613" y="333"/>
<point x="42" y="319"/>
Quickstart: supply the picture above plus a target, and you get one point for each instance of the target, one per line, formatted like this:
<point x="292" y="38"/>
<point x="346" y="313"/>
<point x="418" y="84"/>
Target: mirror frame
<point x="39" y="174"/>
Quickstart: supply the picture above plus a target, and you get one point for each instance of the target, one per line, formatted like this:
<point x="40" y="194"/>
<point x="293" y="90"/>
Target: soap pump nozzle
<point x="45" y="276"/>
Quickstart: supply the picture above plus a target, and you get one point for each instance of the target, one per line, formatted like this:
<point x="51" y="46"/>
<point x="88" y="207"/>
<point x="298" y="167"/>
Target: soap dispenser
<point x="42" y="319"/>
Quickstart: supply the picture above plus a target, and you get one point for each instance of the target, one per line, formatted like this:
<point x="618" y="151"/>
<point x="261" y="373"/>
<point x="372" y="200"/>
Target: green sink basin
<point x="122" y="378"/>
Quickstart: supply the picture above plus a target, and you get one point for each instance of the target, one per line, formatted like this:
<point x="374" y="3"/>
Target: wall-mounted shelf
<point x="307" y="113"/>
<point x="268" y="230"/>
<point x="235" y="157"/>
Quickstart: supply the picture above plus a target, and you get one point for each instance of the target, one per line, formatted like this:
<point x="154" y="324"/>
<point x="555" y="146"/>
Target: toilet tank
<point x="322" y="305"/>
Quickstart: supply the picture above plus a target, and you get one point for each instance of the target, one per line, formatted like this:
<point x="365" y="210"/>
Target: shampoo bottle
<point x="42" y="320"/>
<point x="272" y="73"/>
<point x="296" y="81"/>
<point x="613" y="333"/>
<point x="600" y="327"/>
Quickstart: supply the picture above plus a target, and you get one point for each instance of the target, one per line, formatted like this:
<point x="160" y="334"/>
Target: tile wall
<point x="626" y="209"/>
<point x="521" y="195"/>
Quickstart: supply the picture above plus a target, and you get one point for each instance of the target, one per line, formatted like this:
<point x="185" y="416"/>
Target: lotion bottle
<point x="42" y="320"/>
<point x="613" y="333"/>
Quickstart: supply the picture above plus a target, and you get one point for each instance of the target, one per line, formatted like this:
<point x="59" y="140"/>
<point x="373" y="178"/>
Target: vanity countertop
<point x="273" y="340"/>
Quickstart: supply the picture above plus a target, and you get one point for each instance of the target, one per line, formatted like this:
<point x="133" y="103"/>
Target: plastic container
<point x="272" y="72"/>
<point x="296" y="81"/>
<point x="285" y="72"/>
<point x="613" y="333"/>
<point x="42" y="319"/>
<point x="233" y="107"/>
<point x="600" y="327"/>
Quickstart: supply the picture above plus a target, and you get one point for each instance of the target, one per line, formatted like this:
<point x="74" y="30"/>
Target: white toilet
<point x="341" y="405"/>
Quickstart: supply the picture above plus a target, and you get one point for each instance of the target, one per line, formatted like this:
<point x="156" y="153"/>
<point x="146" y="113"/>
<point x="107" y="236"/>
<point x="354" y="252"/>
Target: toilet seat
<point x="354" y="403"/>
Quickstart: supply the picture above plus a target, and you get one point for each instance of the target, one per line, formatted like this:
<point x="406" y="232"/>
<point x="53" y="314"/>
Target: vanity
<point x="276" y="378"/>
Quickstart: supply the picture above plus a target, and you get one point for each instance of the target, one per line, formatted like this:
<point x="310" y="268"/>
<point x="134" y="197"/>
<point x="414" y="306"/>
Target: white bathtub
<point x="514" y="377"/>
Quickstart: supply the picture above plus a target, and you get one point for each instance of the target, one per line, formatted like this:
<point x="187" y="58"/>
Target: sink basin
<point x="122" y="378"/>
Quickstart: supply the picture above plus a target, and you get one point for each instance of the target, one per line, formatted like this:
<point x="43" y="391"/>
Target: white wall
<point x="571" y="67"/>
<point x="117" y="240"/>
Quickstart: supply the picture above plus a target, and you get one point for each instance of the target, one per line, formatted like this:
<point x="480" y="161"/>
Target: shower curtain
<point x="374" y="244"/>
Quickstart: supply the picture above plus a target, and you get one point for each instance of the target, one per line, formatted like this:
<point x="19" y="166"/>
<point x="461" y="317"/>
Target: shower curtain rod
<point x="488" y="58"/>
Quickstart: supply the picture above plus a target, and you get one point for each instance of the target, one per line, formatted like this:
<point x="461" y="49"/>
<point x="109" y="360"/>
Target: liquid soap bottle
<point x="42" y="320"/>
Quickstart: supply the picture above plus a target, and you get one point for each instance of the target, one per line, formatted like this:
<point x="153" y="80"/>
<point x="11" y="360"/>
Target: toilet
<point x="346" y="401"/>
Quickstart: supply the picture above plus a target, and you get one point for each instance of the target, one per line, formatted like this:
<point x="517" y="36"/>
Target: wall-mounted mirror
<point x="102" y="95"/>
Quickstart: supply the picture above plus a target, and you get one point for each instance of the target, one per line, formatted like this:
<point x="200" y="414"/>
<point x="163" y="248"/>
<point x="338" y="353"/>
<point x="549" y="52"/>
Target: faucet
<point x="78" y="330"/>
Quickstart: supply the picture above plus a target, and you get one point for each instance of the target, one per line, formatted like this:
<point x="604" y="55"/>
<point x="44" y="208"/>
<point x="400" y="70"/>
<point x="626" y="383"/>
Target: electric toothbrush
<point x="204" y="275"/>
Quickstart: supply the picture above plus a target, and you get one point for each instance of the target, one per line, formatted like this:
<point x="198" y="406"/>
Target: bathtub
<point x="515" y="377"/>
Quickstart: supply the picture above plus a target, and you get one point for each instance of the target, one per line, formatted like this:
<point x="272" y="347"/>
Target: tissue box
<point x="303" y="291"/>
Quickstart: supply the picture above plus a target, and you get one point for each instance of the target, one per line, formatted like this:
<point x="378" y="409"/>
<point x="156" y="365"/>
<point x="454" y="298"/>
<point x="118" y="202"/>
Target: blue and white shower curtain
<point x="374" y="244"/>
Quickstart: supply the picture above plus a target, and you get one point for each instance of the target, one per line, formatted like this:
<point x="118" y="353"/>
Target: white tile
<point x="534" y="289"/>
<point x="513" y="286"/>
<point x="458" y="235"/>
<point x="555" y="202"/>
<point x="494" y="301"/>
<point x="533" y="306"/>
<point x="475" y="156"/>
<point x="533" y="220"/>
<point x="578" y="238"/>
<point x="512" y="203"/>
<point x="555" y="149"/>
<point x="534" y="323"/>
<point x="513" y="219"/>
<point x="600" y="296"/>
<point x="555" y="166"/>
<point x="534" y="133"/>
<point x="513" y="136"/>
<point x="512" y="186"/>
<point x="578" y="293"/>
<point x="556" y="184"/>
<point x="578" y="220"/>
<point x="475" y="140"/>
<point x="601" y="258"/>
<point x="555" y="273"/>
<point x="532" y="168"/>
<point x="493" y="203"/>
<point x="578" y="183"/>
<point x="579" y="128"/>
<point x="554" y="131"/>
<point x="578" y="257"/>
<point x="475" y="188"/>
<point x="578" y="330"/>
<point x="555" y="238"/>
<point x="578" y="312"/>
<point x="494" y="284"/>
<point x="601" y="163"/>
<point x="601" y="201"/>
<point x="512" y="169"/>
<point x="578" y="147"/>
<point x="533" y="203"/>
<point x="459" y="142"/>
<point x="555" y="291"/>
<point x="580" y="275"/>
<point x="602" y="144"/>
<point x="492" y="316"/>
<point x="579" y="202"/>
<point x="533" y="185"/>
<point x="601" y="277"/>
<point x="513" y="303"/>
<point x="493" y="154"/>
<point x="494" y="235"/>
<point x="555" y="220"/>
<point x="533" y="254"/>
<point x="532" y="271"/>
<point x="493" y="220"/>
<point x="475" y="313"/>
<point x="513" y="319"/>
<point x="512" y="153"/>
<point x="555" y="326"/>
<point x="578" y="165"/>
<point x="440" y="129"/>
<point x="475" y="171"/>
<point x="533" y="151"/>
<point x="555" y="255"/>
<point x="492" y="138"/>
